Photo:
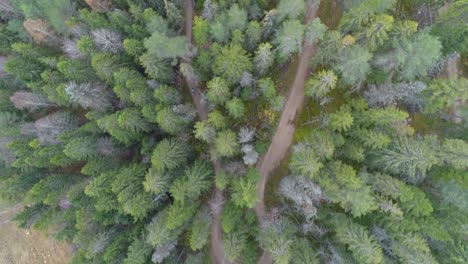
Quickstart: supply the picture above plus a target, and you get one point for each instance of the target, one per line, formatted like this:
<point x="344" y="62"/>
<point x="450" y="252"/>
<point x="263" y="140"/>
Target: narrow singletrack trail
<point x="217" y="199"/>
<point x="283" y="137"/>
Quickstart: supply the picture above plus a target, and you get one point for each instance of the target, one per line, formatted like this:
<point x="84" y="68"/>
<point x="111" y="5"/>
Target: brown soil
<point x="23" y="246"/>
<point x="284" y="134"/>
<point x="100" y="5"/>
<point x="217" y="200"/>
<point x="39" y="30"/>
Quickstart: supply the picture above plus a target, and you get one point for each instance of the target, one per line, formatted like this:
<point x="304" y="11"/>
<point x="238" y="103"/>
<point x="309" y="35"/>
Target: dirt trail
<point x="284" y="134"/>
<point x="217" y="200"/>
<point x="453" y="71"/>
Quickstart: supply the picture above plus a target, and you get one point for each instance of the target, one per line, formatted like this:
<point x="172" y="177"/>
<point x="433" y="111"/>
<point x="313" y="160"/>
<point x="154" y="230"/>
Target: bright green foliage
<point x="377" y="33"/>
<point x="167" y="95"/>
<point x="236" y="18"/>
<point x="415" y="55"/>
<point x="278" y="238"/>
<point x="407" y="157"/>
<point x="303" y="252"/>
<point x="245" y="194"/>
<point x="353" y="64"/>
<point x="49" y="190"/>
<point x="129" y="190"/>
<point x="180" y="213"/>
<point x="169" y="154"/>
<point x="291" y="9"/>
<point x="264" y="58"/>
<point x="314" y="31"/>
<point x="373" y="139"/>
<point x="105" y="64"/>
<point x="235" y="107"/>
<point x="163" y="47"/>
<point x="231" y="217"/>
<point x="200" y="230"/>
<point x="451" y="28"/>
<point x="233" y="245"/>
<point x="170" y="121"/>
<point x="305" y="161"/>
<point x="131" y="119"/>
<point x="455" y="153"/>
<point x="158" y="233"/>
<point x="76" y="70"/>
<point x="157" y="181"/>
<point x="217" y="119"/>
<point x="204" y="131"/>
<point x="196" y="180"/>
<point x="138" y="252"/>
<point x="111" y="125"/>
<point x="321" y="84"/>
<point x="289" y="38"/>
<point x="156" y="68"/>
<point x="226" y="144"/>
<point x="231" y="63"/>
<point x="218" y="91"/>
<point x="83" y="148"/>
<point x="340" y="121"/>
<point x="343" y="186"/>
<point x="201" y="30"/>
<point x="442" y="93"/>
<point x="364" y="247"/>
<point x="133" y="47"/>
<point x="253" y="35"/>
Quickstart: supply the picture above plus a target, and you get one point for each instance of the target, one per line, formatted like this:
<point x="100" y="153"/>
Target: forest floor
<point x="284" y="135"/>
<point x="23" y="246"/>
<point x="217" y="200"/>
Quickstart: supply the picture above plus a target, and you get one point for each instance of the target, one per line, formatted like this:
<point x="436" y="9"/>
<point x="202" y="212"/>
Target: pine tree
<point x="50" y="127"/>
<point x="93" y="96"/>
<point x="277" y="237"/>
<point x="31" y="101"/>
<point x="263" y="58"/>
<point x="353" y="64"/>
<point x="304" y="161"/>
<point x="364" y="247"/>
<point x="108" y="40"/>
<point x="321" y="84"/>
<point x="204" y="131"/>
<point x="231" y="62"/>
<point x="291" y="9"/>
<point x="218" y="91"/>
<point x="314" y="31"/>
<point x="226" y="144"/>
<point x="201" y="31"/>
<point x="195" y="181"/>
<point x="200" y="230"/>
<point x="235" y="107"/>
<point x="289" y="38"/>
<point x="377" y="32"/>
<point x="131" y="119"/>
<point x="169" y="154"/>
<point x="340" y="121"/>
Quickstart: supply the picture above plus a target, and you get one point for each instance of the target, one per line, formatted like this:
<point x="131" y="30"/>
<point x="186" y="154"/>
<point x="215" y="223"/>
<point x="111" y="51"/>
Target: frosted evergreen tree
<point x="94" y="96"/>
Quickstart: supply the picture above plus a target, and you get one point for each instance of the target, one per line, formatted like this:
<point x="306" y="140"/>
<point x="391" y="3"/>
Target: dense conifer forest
<point x="238" y="131"/>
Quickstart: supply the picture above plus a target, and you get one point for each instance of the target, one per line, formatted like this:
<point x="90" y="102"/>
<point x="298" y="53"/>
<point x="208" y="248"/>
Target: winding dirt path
<point x="217" y="200"/>
<point x="284" y="134"/>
